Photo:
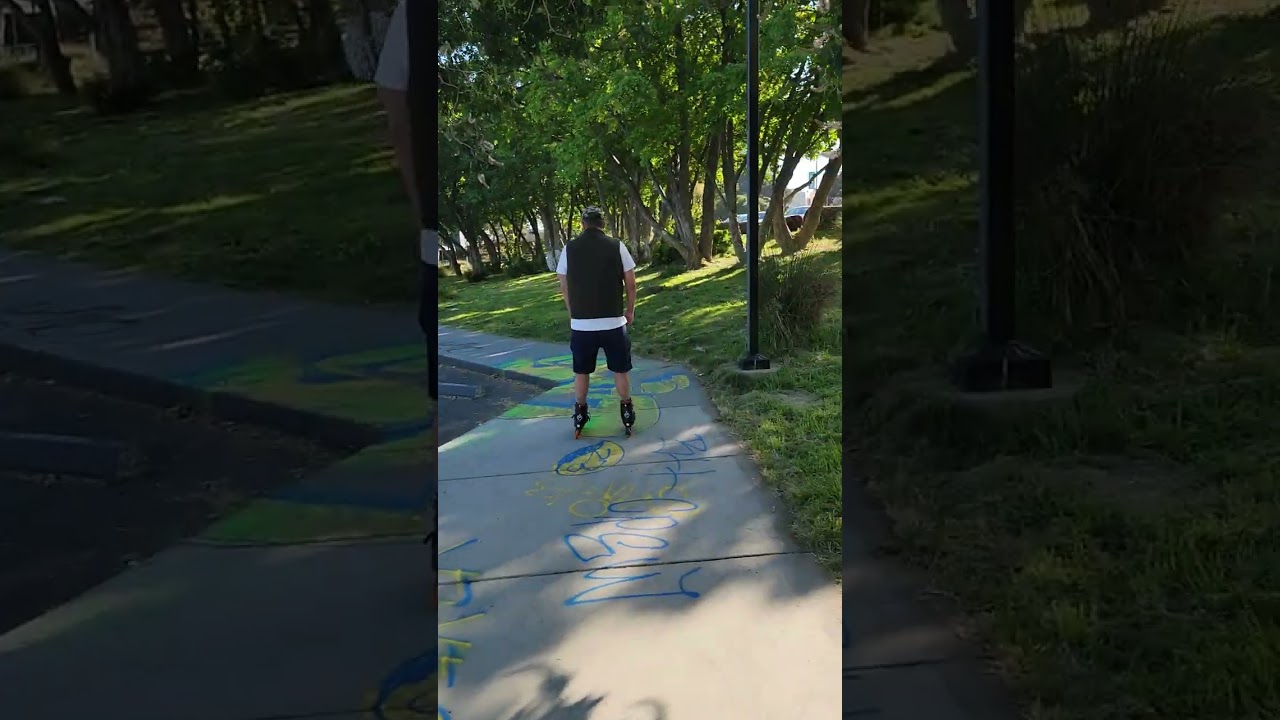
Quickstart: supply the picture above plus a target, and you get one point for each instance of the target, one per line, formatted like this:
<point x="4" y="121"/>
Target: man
<point x="407" y="91"/>
<point x="594" y="269"/>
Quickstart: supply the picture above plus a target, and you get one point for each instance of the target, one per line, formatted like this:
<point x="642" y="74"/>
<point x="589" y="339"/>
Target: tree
<point x="42" y="26"/>
<point x="180" y="41"/>
<point x="857" y="21"/>
<point x="813" y="217"/>
<point x="117" y="40"/>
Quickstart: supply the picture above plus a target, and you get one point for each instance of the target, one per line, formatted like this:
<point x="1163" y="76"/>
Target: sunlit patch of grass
<point x="790" y="421"/>
<point x="294" y="192"/>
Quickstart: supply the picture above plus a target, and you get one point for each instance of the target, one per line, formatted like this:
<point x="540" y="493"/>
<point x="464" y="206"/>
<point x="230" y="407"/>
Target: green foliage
<point x="556" y="119"/>
<point x="1130" y="147"/>
<point x="721" y="242"/>
<point x="796" y="293"/>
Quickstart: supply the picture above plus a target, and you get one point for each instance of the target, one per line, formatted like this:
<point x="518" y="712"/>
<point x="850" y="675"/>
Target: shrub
<point x="796" y="291"/>
<point x="105" y="98"/>
<point x="664" y="254"/>
<point x="523" y="267"/>
<point x="475" y="275"/>
<point x="721" y="243"/>
<point x="1127" y="150"/>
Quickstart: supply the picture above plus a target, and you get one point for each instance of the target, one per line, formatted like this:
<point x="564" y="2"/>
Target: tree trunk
<point x="491" y="247"/>
<point x="958" y="21"/>
<point x="856" y="19"/>
<point x="323" y="39"/>
<point x="813" y="218"/>
<point x="537" y="236"/>
<point x="43" y="28"/>
<point x="706" y="241"/>
<point x="450" y="251"/>
<point x="179" y="44"/>
<point x="192" y="8"/>
<point x="729" y="190"/>
<point x="117" y="40"/>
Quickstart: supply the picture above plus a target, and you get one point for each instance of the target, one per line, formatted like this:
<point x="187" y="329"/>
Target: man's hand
<point x="631" y="317"/>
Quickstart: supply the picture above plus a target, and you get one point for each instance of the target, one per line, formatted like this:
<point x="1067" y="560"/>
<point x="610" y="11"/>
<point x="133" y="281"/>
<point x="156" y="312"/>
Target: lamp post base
<point x="1010" y="366"/>
<point x="754" y="362"/>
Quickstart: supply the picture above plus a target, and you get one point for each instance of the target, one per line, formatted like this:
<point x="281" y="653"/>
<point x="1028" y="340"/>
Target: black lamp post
<point x="754" y="359"/>
<point x="1000" y="362"/>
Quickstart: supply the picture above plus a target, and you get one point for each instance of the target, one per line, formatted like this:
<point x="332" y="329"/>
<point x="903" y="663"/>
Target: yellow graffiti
<point x="591" y="501"/>
<point x="590" y="459"/>
<point x="462" y="582"/>
<point x="665" y="385"/>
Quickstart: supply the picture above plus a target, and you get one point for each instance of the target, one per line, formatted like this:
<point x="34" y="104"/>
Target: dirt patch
<point x="796" y="398"/>
<point x="61" y="535"/>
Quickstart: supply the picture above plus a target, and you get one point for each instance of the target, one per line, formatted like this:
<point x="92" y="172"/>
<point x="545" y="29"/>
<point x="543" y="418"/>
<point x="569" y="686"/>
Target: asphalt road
<point x="464" y="411"/>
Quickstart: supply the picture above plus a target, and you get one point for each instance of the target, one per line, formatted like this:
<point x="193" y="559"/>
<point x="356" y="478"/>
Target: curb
<point x="544" y="383"/>
<point x="334" y="432"/>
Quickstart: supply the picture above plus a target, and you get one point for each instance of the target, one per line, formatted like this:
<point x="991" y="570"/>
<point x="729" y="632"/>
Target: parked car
<point x="742" y="221"/>
<point x="795" y="217"/>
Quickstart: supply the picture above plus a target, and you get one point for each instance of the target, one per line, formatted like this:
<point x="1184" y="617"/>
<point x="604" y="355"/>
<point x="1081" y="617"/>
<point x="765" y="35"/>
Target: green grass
<point x="790" y="421"/>
<point x="295" y="192"/>
<point x="1120" y="554"/>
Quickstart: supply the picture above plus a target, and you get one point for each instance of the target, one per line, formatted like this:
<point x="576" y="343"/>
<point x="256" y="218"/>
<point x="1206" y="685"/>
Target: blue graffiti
<point x="594" y="575"/>
<point x="629" y="524"/>
<point x="414" y="671"/>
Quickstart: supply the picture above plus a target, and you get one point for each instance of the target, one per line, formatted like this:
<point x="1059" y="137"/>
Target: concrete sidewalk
<point x="617" y="578"/>
<point x="651" y="577"/>
<point x="310" y="601"/>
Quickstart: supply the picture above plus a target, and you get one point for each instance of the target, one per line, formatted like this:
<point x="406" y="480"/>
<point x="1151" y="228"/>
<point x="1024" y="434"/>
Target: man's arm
<point x="392" y="78"/>
<point x="397" y="106"/>
<point x="629" y="280"/>
<point x="564" y="293"/>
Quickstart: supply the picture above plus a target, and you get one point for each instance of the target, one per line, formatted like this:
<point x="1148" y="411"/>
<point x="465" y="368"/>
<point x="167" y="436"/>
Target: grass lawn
<point x="790" y="421"/>
<point x="294" y="192"/>
<point x="1121" y="555"/>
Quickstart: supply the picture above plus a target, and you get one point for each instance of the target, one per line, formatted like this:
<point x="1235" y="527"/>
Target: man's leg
<point x="617" y="355"/>
<point x="584" y="345"/>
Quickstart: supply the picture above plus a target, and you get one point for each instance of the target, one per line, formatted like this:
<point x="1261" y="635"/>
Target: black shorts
<point x="427" y="321"/>
<point x="587" y="344"/>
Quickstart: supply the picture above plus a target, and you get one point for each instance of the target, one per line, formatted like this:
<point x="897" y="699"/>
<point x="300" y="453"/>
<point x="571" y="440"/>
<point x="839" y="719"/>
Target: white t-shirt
<point x="393" y="74"/>
<point x="628" y="264"/>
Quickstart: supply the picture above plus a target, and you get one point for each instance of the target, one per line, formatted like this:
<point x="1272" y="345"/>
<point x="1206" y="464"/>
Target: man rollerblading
<point x="594" y="271"/>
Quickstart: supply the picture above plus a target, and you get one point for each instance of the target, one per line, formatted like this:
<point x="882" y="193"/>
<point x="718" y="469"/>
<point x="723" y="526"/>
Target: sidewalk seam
<point x="627" y="566"/>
